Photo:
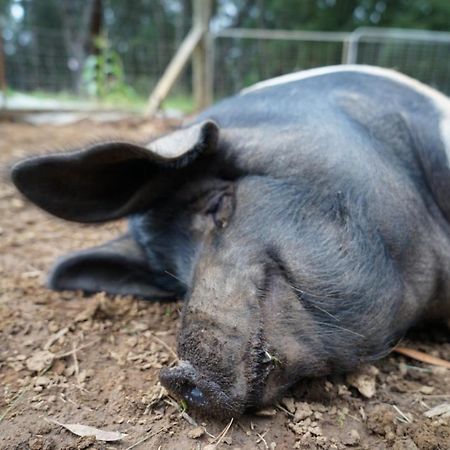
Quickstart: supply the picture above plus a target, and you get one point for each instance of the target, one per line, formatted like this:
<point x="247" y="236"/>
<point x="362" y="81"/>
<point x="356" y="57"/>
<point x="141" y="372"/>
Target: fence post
<point x="3" y="85"/>
<point x="202" y="58"/>
<point x="350" y="48"/>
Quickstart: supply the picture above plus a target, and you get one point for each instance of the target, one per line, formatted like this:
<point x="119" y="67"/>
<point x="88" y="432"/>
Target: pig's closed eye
<point x="274" y="267"/>
<point x="263" y="287"/>
<point x="214" y="201"/>
<point x="221" y="209"/>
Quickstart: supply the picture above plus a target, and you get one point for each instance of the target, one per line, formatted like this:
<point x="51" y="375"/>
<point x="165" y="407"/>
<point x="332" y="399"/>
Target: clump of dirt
<point x="95" y="360"/>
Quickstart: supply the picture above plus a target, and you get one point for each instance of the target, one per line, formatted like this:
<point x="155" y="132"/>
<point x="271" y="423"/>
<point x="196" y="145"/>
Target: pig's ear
<point x="114" y="179"/>
<point x="117" y="267"/>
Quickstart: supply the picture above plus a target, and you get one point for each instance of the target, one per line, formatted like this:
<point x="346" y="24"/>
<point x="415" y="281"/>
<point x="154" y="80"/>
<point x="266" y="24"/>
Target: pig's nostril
<point x="195" y="397"/>
<point x="182" y="380"/>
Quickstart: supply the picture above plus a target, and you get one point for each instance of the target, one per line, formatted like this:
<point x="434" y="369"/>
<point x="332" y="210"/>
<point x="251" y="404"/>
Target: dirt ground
<point x="95" y="360"/>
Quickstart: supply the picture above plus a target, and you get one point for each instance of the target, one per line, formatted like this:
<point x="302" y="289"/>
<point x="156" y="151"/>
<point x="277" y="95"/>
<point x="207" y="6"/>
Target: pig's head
<point x="280" y="281"/>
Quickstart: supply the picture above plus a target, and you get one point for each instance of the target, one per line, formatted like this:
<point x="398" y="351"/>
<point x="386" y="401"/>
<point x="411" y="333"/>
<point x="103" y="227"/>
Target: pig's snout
<point x="186" y="383"/>
<point x="182" y="381"/>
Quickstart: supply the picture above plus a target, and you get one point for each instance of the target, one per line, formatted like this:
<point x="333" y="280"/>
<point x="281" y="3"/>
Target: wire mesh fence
<point x="248" y="56"/>
<point x="41" y="60"/>
<point x="242" y="62"/>
<point x="37" y="60"/>
<point x="427" y="60"/>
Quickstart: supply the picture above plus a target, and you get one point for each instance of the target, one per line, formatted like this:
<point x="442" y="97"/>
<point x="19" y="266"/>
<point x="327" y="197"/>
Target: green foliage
<point x="337" y="15"/>
<point x="103" y="74"/>
<point x="183" y="405"/>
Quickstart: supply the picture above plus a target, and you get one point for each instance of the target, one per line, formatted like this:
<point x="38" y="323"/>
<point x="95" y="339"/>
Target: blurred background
<point x="76" y="54"/>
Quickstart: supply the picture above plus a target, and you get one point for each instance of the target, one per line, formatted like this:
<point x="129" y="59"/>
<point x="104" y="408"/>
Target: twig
<point x="166" y="346"/>
<point x="420" y="369"/>
<point x="209" y="434"/>
<point x="145" y="438"/>
<point x="188" y="419"/>
<point x="55" y="337"/>
<point x="170" y="401"/>
<point x="437" y="395"/>
<point x="223" y="434"/>
<point x="82" y="347"/>
<point x="354" y="417"/>
<point x="422" y="357"/>
<point x="405" y="417"/>
<point x="282" y="408"/>
<point x="261" y="439"/>
<point x="75" y="362"/>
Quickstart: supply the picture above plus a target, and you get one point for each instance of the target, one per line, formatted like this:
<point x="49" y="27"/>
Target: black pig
<point x="305" y="222"/>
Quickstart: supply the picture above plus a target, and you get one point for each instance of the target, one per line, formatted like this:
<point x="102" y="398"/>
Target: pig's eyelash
<point x="277" y="265"/>
<point x="332" y="325"/>
<point x="305" y="297"/>
<point x="300" y="293"/>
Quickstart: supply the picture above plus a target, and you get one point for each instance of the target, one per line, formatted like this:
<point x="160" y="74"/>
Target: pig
<point x="304" y="221"/>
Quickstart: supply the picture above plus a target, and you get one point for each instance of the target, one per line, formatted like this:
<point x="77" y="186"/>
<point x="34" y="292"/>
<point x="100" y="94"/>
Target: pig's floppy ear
<point x="117" y="267"/>
<point x="111" y="180"/>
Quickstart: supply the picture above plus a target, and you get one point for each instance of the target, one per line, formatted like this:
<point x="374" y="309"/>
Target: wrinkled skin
<point x="306" y="227"/>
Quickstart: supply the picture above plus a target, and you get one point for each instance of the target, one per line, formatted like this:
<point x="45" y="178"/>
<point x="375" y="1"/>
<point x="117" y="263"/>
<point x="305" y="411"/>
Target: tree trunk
<point x="76" y="35"/>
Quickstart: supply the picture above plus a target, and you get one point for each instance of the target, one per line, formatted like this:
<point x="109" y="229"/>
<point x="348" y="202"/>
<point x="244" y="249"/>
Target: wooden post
<point x="173" y="70"/>
<point x="198" y="44"/>
<point x="3" y="85"/>
<point x="202" y="58"/>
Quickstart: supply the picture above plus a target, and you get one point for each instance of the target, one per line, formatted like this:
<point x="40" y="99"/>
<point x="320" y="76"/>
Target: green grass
<point x="128" y="100"/>
<point x="179" y="102"/>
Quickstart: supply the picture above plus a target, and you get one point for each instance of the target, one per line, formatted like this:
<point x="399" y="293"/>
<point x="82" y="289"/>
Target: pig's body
<point x="306" y="238"/>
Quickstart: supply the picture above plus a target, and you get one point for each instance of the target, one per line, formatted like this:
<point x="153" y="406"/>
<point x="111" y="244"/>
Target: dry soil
<point x="94" y="360"/>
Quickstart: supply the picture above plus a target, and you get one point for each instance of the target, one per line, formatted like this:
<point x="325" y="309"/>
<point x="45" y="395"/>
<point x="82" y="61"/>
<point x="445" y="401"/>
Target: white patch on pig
<point x="440" y="101"/>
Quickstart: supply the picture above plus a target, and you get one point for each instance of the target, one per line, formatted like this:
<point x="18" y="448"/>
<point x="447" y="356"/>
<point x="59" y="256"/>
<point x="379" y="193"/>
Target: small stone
<point x="227" y="440"/>
<point x="303" y="411"/>
<point x="267" y="412"/>
<point x="403" y="369"/>
<point x="343" y="390"/>
<point x="69" y="371"/>
<point x="426" y="389"/>
<point x="405" y="444"/>
<point x="364" y="381"/>
<point x="40" y="443"/>
<point x="42" y="381"/>
<point x="17" y="203"/>
<point x="289" y="404"/>
<point x="58" y="367"/>
<point x="82" y="376"/>
<point x="353" y="438"/>
<point x="39" y="361"/>
<point x="196" y="433"/>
